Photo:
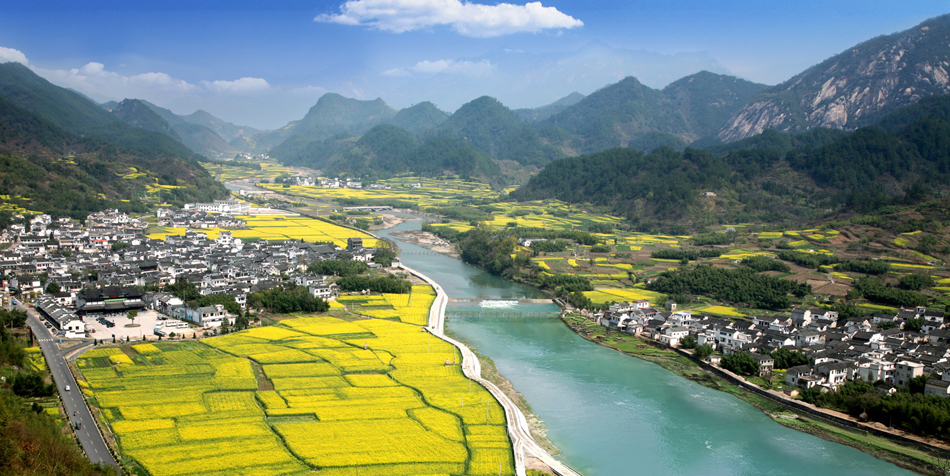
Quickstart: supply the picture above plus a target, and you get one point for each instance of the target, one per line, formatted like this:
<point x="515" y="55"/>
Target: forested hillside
<point x="49" y="169"/>
<point x="389" y="150"/>
<point x="778" y="178"/>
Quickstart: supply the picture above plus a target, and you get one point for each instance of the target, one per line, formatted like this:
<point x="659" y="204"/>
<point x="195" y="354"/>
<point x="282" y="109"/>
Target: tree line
<point x="741" y="285"/>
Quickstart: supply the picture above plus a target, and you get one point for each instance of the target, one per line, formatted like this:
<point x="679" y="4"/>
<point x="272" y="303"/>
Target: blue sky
<point x="265" y="63"/>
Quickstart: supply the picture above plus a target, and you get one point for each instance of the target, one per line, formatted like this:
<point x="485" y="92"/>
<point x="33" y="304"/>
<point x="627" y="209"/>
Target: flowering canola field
<point x="281" y="227"/>
<point x="369" y="397"/>
<point x="410" y="308"/>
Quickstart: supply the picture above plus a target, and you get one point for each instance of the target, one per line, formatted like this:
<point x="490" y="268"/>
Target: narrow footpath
<point x="521" y="440"/>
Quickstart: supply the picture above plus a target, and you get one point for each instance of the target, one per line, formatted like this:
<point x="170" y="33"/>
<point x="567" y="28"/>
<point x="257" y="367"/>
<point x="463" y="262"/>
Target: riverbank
<point x="527" y="452"/>
<point x="914" y="459"/>
<point x="535" y="425"/>
<point x="427" y="240"/>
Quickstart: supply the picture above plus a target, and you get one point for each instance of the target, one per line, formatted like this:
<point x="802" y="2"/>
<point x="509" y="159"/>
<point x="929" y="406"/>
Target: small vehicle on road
<point x="67" y="388"/>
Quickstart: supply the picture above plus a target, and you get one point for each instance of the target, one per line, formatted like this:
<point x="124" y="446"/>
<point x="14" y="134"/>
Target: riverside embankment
<point x="522" y="441"/>
<point x="613" y="415"/>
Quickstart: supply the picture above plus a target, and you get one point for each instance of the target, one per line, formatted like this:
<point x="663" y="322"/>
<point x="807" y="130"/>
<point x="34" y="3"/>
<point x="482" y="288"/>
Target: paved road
<point x="76" y="410"/>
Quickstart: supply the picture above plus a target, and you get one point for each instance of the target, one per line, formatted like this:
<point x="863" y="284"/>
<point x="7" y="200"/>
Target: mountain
<point x="707" y="100"/>
<point x="778" y="178"/>
<point x="418" y="118"/>
<point x="853" y="88"/>
<point x="614" y="114"/>
<point x="333" y="115"/>
<point x="628" y="113"/>
<point x="46" y="168"/>
<point x="197" y="137"/>
<point x="387" y="150"/>
<point x="139" y="114"/>
<point x="522" y="79"/>
<point x="222" y="128"/>
<point x="492" y="128"/>
<point x="76" y="114"/>
<point x="544" y="112"/>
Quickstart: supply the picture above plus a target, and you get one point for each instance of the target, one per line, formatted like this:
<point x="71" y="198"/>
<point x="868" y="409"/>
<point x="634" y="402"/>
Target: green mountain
<point x="333" y="115"/>
<point x="630" y="114"/>
<point x="419" y="118"/>
<point x="137" y="113"/>
<point x="492" y="128"/>
<point x="76" y="114"/>
<point x="387" y="150"/>
<point x="48" y="169"/>
<point x="706" y="100"/>
<point x="853" y="88"/>
<point x="222" y="128"/>
<point x="196" y="137"/>
<point x="544" y="112"/>
<point x="779" y="178"/>
<point x="65" y="155"/>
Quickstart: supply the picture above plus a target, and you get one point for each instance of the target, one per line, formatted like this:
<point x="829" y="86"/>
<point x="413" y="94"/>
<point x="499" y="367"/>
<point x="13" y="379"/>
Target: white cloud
<point x="461" y="68"/>
<point x="469" y="19"/>
<point x="93" y="78"/>
<point x="309" y="90"/>
<point x="242" y="85"/>
<point x="10" y="54"/>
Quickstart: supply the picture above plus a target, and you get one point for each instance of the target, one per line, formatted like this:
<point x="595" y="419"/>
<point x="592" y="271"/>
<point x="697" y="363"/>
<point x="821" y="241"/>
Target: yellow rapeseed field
<point x="363" y="397"/>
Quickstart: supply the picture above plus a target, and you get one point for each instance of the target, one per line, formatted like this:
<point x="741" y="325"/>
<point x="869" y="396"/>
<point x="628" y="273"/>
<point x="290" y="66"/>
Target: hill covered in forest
<point x="66" y="156"/>
<point x="776" y="177"/>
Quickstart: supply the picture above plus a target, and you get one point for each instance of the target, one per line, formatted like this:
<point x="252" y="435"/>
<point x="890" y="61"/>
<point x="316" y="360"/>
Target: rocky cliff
<point x="855" y="87"/>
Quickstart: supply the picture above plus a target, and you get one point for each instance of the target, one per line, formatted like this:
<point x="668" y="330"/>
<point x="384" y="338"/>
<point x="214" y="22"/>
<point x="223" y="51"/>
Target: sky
<point x="264" y="64"/>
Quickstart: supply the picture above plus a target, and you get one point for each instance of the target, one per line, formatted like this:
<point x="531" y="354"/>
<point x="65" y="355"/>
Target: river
<point x="612" y="414"/>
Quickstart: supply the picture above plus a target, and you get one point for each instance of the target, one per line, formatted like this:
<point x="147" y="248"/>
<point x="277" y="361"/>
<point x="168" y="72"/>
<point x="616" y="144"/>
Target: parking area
<point x="140" y="328"/>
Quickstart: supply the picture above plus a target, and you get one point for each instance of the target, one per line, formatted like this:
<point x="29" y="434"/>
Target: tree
<point x="914" y="325"/>
<point x="132" y="315"/>
<point x="31" y="384"/>
<point x="688" y="342"/>
<point x="52" y="288"/>
<point x="703" y="351"/>
<point x="741" y="363"/>
<point x="917" y="281"/>
<point x="917" y="384"/>
<point x="384" y="256"/>
<point x="786" y="359"/>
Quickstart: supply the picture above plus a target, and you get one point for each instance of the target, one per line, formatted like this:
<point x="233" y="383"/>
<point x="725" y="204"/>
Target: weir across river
<point x="497" y="308"/>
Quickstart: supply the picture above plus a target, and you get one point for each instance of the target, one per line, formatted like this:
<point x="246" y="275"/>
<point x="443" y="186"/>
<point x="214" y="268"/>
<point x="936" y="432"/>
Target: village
<point x="86" y="280"/>
<point x="881" y="350"/>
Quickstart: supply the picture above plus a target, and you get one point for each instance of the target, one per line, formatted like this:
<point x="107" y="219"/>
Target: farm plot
<point x="275" y="227"/>
<point x="410" y="308"/>
<point x="365" y="397"/>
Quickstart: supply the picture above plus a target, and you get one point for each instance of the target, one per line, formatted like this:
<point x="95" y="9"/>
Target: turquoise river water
<point x="612" y="414"/>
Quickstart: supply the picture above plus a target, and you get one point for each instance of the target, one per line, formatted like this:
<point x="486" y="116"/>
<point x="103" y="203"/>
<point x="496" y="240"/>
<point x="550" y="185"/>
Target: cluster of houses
<point x="197" y="215"/>
<point x="876" y="349"/>
<point x="332" y="182"/>
<point x="95" y="278"/>
<point x="230" y="207"/>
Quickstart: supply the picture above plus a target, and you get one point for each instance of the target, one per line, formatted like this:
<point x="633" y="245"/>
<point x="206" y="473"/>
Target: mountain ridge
<point x="854" y="87"/>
